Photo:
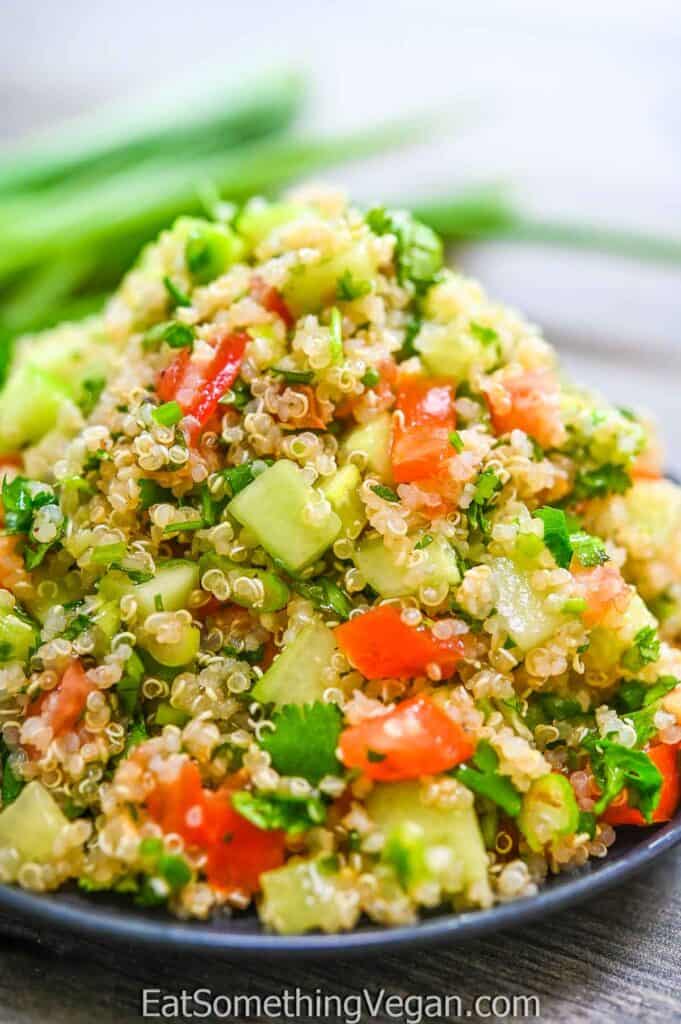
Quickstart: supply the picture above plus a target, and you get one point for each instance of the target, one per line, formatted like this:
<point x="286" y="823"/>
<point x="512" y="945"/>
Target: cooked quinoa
<point x="323" y="588"/>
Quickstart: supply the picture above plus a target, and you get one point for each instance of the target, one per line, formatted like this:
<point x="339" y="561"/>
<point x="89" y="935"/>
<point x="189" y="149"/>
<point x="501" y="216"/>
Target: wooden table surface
<point x="615" y="960"/>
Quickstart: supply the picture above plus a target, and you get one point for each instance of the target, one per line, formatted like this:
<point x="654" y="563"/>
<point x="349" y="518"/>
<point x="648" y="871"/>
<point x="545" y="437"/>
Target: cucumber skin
<point x="273" y="508"/>
<point x="295" y="676"/>
<point x="17" y="637"/>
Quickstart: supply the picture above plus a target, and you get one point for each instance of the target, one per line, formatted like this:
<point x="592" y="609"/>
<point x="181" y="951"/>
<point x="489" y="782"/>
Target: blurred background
<point x="575" y="107"/>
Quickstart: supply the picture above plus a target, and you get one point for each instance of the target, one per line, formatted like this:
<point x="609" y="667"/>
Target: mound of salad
<point x="323" y="588"/>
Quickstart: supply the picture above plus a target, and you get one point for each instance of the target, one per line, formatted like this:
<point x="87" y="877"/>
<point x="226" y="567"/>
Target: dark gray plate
<point x="106" y="917"/>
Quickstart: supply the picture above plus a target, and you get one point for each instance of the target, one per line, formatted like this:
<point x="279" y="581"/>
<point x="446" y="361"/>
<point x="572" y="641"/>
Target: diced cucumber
<point x="377" y="565"/>
<point x="448" y="351"/>
<point x="31" y="824"/>
<point x="549" y="811"/>
<point x="312" y="286"/>
<point x="342" y="490"/>
<point x="524" y="615"/>
<point x="374" y="440"/>
<point x="275" y="506"/>
<point x="275" y="592"/>
<point x="607" y="645"/>
<point x="29" y="407"/>
<point x="166" y="714"/>
<point x="258" y="219"/>
<point x="18" y="636"/>
<point x="296" y="676"/>
<point x="62" y="590"/>
<point x="211" y="249"/>
<point x="392" y="805"/>
<point x="107" y="621"/>
<point x="305" y="895"/>
<point x="175" y="654"/>
<point x="173" y="583"/>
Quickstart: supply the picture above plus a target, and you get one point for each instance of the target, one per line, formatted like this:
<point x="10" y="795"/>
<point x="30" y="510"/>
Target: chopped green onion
<point x="168" y="414"/>
<point x="158" y="602"/>
<point x="336" y="327"/>
<point x="107" y="553"/>
<point x="189" y="524"/>
<point x="177" y="296"/>
<point x="294" y="376"/>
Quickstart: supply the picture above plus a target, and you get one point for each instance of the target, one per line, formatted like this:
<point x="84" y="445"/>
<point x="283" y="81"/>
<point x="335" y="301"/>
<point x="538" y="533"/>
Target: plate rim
<point x="196" y="937"/>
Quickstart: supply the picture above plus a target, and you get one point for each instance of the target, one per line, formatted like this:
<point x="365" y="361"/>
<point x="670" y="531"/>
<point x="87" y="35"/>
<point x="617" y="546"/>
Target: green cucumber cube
<point x="31" y="824"/>
<point x="297" y="675"/>
<point x="275" y="509"/>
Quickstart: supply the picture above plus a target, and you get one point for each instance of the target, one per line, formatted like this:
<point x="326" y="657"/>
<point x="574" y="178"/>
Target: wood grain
<point x="609" y="962"/>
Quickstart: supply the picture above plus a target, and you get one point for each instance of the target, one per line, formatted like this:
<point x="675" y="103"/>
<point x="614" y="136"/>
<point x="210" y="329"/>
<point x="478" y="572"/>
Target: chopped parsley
<point x="22" y="500"/>
<point x="487" y="487"/>
<point x="238" y="477"/>
<point x="304" y="740"/>
<point x="277" y="811"/>
<point x="152" y="493"/>
<point x="564" y="542"/>
<point x="371" y="378"/>
<point x="615" y="766"/>
<point x="386" y="493"/>
<point x="92" y="389"/>
<point x="325" y="595"/>
<point x="423" y="542"/>
<point x="418" y="253"/>
<point x="487" y="335"/>
<point x="484" y="779"/>
<point x="597" y="483"/>
<point x="644" y="650"/>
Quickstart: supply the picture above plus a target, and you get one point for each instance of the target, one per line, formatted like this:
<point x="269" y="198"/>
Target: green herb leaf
<point x="644" y="651"/>
<point x="326" y="595"/>
<point x="423" y="542"/>
<point x="597" y="483"/>
<point x="486" y="489"/>
<point x="152" y="493"/>
<point x="304" y="740"/>
<point x="183" y="527"/>
<point x="129" y="685"/>
<point x="456" y="441"/>
<point x="92" y="389"/>
<point x="371" y="378"/>
<point x="564" y="543"/>
<point x="172" y="332"/>
<point x="487" y="335"/>
<point x="615" y="767"/>
<point x="419" y="251"/>
<point x="275" y="811"/>
<point x="386" y="493"/>
<point x="12" y="784"/>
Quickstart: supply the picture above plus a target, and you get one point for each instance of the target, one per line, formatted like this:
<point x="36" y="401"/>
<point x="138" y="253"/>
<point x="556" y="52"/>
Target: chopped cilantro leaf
<point x="487" y="335"/>
<point x="564" y="544"/>
<point x="304" y="740"/>
<point x="597" y="483"/>
<point x="486" y="488"/>
<point x="615" y="767"/>
<point x="325" y="595"/>
<point x="483" y="778"/>
<point x="276" y="811"/>
<point x="172" y="332"/>
<point x="644" y="650"/>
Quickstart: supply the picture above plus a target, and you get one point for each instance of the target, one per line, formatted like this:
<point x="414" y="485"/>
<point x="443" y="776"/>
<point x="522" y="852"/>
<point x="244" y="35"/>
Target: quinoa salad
<point x="323" y="589"/>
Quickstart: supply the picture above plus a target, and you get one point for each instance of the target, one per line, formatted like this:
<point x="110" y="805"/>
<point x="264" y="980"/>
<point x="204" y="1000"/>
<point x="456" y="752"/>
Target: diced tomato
<point x="271" y="300"/>
<point x="604" y="589"/>
<point x="242" y="854"/>
<point x="381" y="645"/>
<point x="666" y="758"/>
<point x="530" y="402"/>
<point x="237" y="852"/>
<point x="417" y="738"/>
<point x="64" y="706"/>
<point x="12" y="569"/>
<point x="424" y="418"/>
<point x="198" y="389"/>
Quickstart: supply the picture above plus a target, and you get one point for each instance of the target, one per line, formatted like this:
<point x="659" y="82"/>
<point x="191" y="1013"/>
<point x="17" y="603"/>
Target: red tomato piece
<point x="530" y="402"/>
<point x="381" y="645"/>
<point x="417" y="738"/>
<point x="198" y="389"/>
<point x="242" y="853"/>
<point x="271" y="300"/>
<point x="604" y="589"/>
<point x="64" y="706"/>
<point x="665" y="757"/>
<point x="424" y="418"/>
<point x="237" y="852"/>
